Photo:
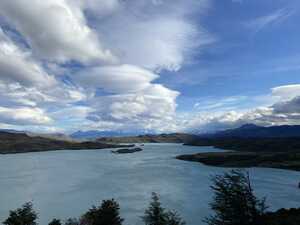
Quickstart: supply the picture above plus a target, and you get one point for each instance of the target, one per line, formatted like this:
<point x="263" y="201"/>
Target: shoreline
<point x="233" y="159"/>
<point x="64" y="146"/>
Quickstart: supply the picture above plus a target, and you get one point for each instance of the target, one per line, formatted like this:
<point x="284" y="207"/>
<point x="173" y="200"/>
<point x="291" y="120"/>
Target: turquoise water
<point x="65" y="184"/>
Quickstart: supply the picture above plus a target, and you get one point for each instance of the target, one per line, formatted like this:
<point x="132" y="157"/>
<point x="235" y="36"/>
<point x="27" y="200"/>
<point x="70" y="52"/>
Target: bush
<point x="22" y="216"/>
<point x="234" y="202"/>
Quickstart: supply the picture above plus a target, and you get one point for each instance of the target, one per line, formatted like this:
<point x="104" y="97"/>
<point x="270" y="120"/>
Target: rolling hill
<point x="20" y="143"/>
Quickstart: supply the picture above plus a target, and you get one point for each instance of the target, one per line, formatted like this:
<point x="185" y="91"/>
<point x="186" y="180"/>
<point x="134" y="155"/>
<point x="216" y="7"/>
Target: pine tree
<point x="22" y="216"/>
<point x="234" y="201"/>
<point x="157" y="215"/>
<point x="55" y="222"/>
<point x="173" y="218"/>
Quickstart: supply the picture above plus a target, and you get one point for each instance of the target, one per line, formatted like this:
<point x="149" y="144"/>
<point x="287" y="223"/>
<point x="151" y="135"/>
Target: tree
<point x="234" y="201"/>
<point x="283" y="217"/>
<point x="157" y="215"/>
<point x="22" y="216"/>
<point x="55" y="222"/>
<point x="107" y="213"/>
<point x="173" y="218"/>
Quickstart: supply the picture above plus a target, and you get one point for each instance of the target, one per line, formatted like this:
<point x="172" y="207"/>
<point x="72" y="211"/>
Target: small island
<point x="127" y="150"/>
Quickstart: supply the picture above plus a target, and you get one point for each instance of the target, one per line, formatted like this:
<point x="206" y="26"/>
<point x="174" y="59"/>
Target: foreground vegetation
<point x="234" y="203"/>
<point x="108" y="213"/>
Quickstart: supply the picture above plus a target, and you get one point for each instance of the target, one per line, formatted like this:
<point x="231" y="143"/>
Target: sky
<point x="148" y="66"/>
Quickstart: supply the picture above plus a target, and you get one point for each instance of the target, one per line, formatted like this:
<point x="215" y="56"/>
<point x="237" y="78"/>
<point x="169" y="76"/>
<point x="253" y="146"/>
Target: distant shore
<point x="13" y="143"/>
<point x="282" y="153"/>
<point x="290" y="161"/>
<point x="69" y="146"/>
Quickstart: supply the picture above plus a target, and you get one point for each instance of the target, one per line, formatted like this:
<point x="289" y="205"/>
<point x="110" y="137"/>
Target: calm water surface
<point x="65" y="184"/>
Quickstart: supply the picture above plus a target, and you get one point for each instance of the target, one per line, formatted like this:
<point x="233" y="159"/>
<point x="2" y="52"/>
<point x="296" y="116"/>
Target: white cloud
<point x="24" y="116"/>
<point x="285" y="111"/>
<point x="154" y="105"/>
<point x="273" y="18"/>
<point x="116" y="79"/>
<point x="134" y="101"/>
<point x="155" y="36"/>
<point x="55" y="30"/>
<point x="221" y="104"/>
<point x="99" y="7"/>
<point x="18" y="66"/>
<point x="286" y="92"/>
<point x="94" y="63"/>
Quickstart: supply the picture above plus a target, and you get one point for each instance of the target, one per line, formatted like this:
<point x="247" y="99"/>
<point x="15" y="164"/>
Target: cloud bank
<point x="94" y="64"/>
<point x="284" y="111"/>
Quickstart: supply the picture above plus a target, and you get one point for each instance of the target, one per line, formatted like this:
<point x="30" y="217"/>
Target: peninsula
<point x="250" y="146"/>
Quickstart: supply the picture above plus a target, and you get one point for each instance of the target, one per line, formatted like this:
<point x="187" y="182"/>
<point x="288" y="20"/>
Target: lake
<point x="64" y="184"/>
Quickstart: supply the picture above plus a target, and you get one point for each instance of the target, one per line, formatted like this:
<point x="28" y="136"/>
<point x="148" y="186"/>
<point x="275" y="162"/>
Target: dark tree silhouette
<point x="72" y="221"/>
<point x="157" y="215"/>
<point x="283" y="217"/>
<point x="107" y="213"/>
<point x="234" y="201"/>
<point x="22" y="216"/>
<point x="55" y="222"/>
<point x="173" y="218"/>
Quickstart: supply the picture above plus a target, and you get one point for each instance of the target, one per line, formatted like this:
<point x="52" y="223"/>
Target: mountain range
<point x="94" y="134"/>
<point x="246" y="137"/>
<point x="151" y="138"/>
<point x="254" y="131"/>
